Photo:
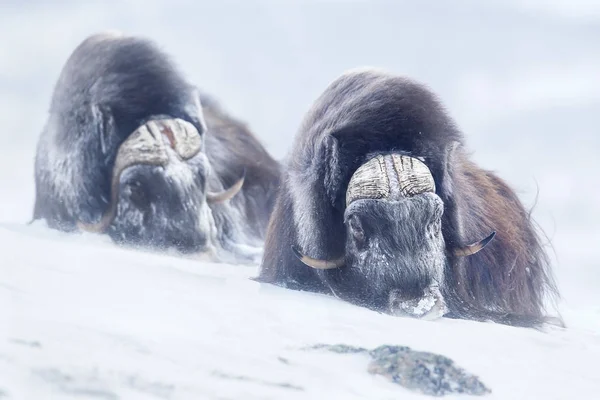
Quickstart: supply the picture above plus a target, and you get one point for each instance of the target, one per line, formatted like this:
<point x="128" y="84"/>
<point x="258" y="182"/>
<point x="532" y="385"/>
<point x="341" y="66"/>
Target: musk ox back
<point x="381" y="206"/>
<point x="128" y="150"/>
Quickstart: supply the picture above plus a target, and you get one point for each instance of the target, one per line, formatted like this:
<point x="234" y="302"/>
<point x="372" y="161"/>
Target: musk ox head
<point x="394" y="241"/>
<point x="158" y="185"/>
<point x="122" y="152"/>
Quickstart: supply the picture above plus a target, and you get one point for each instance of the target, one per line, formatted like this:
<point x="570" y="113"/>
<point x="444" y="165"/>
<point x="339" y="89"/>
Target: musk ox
<point x="129" y="150"/>
<point x="381" y="206"/>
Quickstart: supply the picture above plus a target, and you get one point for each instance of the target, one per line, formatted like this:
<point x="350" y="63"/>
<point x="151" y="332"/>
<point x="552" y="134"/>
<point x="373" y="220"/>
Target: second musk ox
<point x="381" y="205"/>
<point x="130" y="150"/>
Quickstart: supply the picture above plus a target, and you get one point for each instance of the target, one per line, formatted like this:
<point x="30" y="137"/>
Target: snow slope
<point x="83" y="318"/>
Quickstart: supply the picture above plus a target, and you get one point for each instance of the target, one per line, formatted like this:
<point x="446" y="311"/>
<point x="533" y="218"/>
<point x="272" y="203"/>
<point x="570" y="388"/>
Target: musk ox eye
<point x="356" y="230"/>
<point x="138" y="195"/>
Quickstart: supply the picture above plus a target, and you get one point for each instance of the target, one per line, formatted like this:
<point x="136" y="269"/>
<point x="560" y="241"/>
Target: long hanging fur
<point x="369" y="111"/>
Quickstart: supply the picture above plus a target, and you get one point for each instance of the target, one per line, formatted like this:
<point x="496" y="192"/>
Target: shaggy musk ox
<point x="129" y="150"/>
<point x="380" y="205"/>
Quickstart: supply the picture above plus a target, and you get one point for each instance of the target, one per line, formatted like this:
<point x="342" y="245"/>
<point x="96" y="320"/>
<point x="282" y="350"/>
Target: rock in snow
<point x="419" y="371"/>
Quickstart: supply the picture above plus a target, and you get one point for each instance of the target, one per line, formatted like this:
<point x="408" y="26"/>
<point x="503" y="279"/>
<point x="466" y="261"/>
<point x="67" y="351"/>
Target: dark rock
<point x="82" y="384"/>
<point x="243" y="378"/>
<point x="338" y="348"/>
<point x="283" y="360"/>
<point x="428" y="373"/>
<point x="156" y="389"/>
<point x="29" y="343"/>
<point x="419" y="371"/>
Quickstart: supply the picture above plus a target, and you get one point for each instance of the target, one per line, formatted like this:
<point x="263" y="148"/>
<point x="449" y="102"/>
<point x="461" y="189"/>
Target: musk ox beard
<point x="130" y="151"/>
<point x="381" y="206"/>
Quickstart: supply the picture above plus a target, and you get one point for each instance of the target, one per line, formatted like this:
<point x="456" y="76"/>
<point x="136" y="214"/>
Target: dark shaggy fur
<point x="372" y="112"/>
<point x="111" y="85"/>
<point x="232" y="147"/>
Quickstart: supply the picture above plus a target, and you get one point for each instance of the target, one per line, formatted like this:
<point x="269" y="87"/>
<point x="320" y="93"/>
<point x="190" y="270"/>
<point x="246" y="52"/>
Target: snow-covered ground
<point x="83" y="318"/>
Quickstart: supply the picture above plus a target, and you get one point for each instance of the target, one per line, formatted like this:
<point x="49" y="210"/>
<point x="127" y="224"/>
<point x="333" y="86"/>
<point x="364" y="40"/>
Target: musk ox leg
<point x="70" y="178"/>
<point x="316" y="197"/>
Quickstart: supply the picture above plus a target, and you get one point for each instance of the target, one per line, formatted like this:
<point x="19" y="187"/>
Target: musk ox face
<point x="157" y="179"/>
<point x="394" y="242"/>
<point x="398" y="247"/>
<point x="158" y="190"/>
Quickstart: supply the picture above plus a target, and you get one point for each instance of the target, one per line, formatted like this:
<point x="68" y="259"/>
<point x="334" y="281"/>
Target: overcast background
<point x="522" y="79"/>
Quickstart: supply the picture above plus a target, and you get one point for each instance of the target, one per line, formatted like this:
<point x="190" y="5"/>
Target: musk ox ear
<point x="446" y="186"/>
<point x="197" y="111"/>
<point x="333" y="175"/>
<point x="105" y="128"/>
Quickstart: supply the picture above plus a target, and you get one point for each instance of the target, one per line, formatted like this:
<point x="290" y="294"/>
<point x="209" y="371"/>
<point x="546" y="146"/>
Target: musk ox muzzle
<point x="155" y="143"/>
<point x="394" y="243"/>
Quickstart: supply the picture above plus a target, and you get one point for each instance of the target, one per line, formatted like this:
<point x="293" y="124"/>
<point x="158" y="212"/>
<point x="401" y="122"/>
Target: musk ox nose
<point x="137" y="195"/>
<point x="155" y="188"/>
<point x="194" y="242"/>
<point x="157" y="209"/>
<point x="141" y="187"/>
<point x="429" y="305"/>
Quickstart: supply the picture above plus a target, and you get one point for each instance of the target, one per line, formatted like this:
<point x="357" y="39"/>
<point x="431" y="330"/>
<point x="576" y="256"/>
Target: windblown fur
<point x="110" y="86"/>
<point x="366" y="112"/>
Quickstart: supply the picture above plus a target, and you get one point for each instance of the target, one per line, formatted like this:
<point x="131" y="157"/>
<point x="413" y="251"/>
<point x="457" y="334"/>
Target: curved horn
<point x="219" y="197"/>
<point x="475" y="247"/>
<point x="110" y="214"/>
<point x="318" y="264"/>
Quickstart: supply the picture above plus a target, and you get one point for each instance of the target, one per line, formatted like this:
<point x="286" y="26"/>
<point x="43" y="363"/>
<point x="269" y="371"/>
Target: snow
<point x="82" y="318"/>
